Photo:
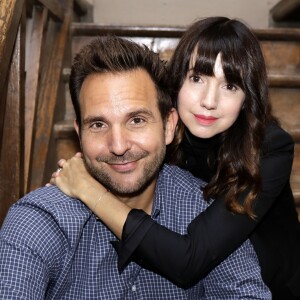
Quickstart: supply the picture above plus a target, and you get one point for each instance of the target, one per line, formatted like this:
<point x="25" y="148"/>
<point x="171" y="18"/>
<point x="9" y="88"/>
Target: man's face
<point x="122" y="134"/>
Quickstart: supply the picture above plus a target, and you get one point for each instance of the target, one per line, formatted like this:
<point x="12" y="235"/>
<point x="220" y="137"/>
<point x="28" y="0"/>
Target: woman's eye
<point x="231" y="87"/>
<point x="195" y="78"/>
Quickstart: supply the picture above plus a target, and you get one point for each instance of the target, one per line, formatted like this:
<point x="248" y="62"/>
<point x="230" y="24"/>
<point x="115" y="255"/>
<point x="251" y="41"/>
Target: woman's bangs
<point x="204" y="57"/>
<point x="233" y="71"/>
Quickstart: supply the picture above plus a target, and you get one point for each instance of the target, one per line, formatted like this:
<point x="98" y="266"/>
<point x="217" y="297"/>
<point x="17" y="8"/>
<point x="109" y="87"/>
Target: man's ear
<point x="76" y="126"/>
<point x="170" y="126"/>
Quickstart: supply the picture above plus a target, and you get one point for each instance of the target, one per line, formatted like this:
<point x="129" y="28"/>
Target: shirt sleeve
<point x="237" y="277"/>
<point x="215" y="233"/>
<point x="29" y="247"/>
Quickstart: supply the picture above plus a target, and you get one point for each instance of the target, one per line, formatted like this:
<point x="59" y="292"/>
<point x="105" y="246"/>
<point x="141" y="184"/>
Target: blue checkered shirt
<point x="53" y="247"/>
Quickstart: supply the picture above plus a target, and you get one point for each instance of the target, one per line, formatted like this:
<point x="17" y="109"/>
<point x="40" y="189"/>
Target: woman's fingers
<point x="61" y="163"/>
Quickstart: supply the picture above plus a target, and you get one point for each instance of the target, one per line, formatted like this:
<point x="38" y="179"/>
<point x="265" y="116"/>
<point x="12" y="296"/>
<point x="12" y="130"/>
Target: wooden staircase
<point x="36" y="124"/>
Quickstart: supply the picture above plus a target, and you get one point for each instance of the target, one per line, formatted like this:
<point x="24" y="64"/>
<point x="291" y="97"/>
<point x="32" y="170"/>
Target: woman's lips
<point x="205" y="120"/>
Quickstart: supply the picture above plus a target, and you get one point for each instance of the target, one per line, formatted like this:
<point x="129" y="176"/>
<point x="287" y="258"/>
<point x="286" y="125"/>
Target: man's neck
<point x="143" y="200"/>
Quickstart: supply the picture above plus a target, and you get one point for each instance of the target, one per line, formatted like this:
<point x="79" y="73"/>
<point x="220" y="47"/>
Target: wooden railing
<point x="34" y="38"/>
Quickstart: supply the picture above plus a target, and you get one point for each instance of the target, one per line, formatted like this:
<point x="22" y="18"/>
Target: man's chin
<point x="126" y="191"/>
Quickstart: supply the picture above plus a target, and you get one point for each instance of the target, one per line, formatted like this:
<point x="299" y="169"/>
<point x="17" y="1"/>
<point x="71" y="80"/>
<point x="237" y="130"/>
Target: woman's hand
<point x="74" y="180"/>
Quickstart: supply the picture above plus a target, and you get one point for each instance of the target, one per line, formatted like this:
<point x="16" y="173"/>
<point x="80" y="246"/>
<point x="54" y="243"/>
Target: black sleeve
<point x="213" y="234"/>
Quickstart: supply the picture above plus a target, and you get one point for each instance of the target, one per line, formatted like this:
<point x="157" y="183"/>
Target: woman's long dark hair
<point x="237" y="160"/>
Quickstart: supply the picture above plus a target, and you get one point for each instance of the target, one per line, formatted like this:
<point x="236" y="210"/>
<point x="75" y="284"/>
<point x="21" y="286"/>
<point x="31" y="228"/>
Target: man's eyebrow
<point x="142" y="111"/>
<point x="91" y="119"/>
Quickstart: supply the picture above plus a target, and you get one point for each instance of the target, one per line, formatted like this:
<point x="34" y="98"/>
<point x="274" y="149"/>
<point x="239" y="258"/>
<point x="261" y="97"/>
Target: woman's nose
<point x="209" y="98"/>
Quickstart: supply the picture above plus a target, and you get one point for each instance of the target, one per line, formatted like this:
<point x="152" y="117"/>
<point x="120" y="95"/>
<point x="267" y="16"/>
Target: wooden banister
<point x="34" y="36"/>
<point x="12" y="155"/>
<point x="10" y="15"/>
<point x="33" y="80"/>
<point x="47" y="100"/>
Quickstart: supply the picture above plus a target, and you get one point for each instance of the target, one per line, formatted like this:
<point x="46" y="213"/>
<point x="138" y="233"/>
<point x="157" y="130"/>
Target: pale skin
<point x="207" y="106"/>
<point x="123" y="138"/>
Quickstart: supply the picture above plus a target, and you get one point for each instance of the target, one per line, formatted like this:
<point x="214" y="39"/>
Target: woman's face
<point x="209" y="105"/>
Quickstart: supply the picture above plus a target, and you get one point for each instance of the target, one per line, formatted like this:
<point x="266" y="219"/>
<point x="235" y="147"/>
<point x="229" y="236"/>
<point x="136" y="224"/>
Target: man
<point x="53" y="247"/>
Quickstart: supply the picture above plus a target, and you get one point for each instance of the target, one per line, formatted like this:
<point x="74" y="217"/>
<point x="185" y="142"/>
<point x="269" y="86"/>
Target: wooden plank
<point x="11" y="167"/>
<point x="33" y="74"/>
<point x="47" y="101"/>
<point x="92" y="29"/>
<point x="278" y="34"/>
<point x="284" y="80"/>
<point x="55" y="7"/>
<point x="10" y="14"/>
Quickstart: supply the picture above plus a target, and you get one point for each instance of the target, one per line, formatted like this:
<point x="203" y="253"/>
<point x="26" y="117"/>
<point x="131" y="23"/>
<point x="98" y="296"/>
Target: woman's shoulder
<point x="277" y="140"/>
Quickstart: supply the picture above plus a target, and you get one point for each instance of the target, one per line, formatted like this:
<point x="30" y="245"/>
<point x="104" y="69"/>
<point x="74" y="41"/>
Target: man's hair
<point x="111" y="54"/>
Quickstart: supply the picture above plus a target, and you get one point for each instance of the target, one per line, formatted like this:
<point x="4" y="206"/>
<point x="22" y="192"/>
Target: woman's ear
<point x="170" y="126"/>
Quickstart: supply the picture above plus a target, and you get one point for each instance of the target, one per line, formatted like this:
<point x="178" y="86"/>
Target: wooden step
<point x="286" y="107"/>
<point x="274" y="42"/>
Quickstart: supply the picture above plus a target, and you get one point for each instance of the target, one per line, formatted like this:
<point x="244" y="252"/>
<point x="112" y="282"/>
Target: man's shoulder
<point x="53" y="201"/>
<point x="46" y="208"/>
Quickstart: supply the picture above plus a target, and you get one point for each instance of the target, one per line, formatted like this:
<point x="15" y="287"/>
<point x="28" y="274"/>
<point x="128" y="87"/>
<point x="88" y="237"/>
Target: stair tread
<point x="94" y="29"/>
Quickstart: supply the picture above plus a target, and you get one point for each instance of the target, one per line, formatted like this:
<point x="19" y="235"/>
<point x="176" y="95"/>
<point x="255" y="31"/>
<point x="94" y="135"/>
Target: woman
<point x="230" y="140"/>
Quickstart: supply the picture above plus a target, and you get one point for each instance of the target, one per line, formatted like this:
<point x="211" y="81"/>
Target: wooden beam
<point x="32" y="84"/>
<point x="284" y="80"/>
<point x="47" y="102"/>
<point x="92" y="29"/>
<point x="278" y="34"/>
<point x="11" y="156"/>
<point x="10" y="14"/>
<point x="55" y="7"/>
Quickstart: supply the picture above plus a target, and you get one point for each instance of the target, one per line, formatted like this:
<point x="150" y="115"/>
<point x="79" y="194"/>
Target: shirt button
<point x="133" y="288"/>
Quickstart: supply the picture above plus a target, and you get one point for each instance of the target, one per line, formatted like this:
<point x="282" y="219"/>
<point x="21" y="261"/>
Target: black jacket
<point x="215" y="233"/>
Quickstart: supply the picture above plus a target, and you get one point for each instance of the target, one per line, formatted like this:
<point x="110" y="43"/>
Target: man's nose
<point x="119" y="140"/>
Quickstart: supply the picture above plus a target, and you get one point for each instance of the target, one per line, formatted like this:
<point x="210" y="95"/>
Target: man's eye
<point x="97" y="125"/>
<point x="137" y="121"/>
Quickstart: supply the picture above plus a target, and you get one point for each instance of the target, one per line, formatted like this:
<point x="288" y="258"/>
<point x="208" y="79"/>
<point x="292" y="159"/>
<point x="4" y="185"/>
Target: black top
<point x="216" y="232"/>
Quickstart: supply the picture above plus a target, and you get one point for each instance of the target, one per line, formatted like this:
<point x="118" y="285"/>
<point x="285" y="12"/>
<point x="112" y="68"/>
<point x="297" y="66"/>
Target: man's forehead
<point x="120" y="93"/>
